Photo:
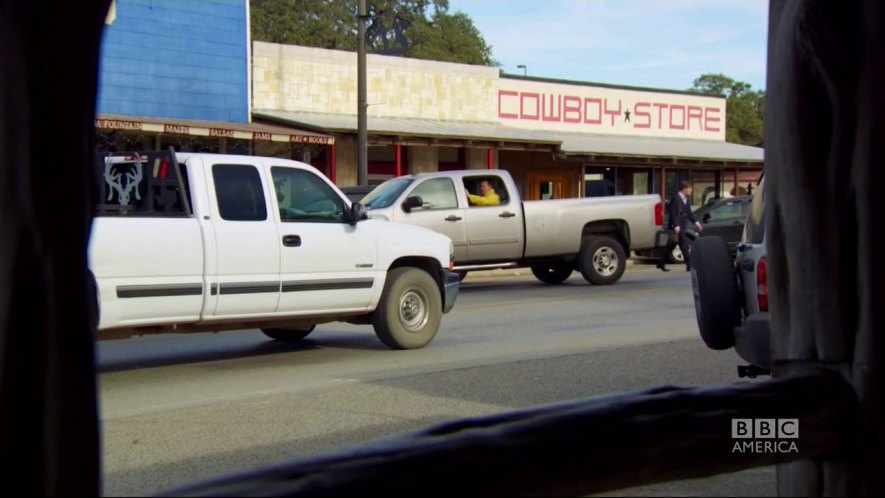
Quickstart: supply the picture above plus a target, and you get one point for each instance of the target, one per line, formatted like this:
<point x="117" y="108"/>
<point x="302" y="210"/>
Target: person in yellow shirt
<point x="488" y="198"/>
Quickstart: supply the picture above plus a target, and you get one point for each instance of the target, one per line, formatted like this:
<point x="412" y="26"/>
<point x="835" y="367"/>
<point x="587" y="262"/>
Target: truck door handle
<point x="292" y="240"/>
<point x="452" y="217"/>
<point x="506" y="214"/>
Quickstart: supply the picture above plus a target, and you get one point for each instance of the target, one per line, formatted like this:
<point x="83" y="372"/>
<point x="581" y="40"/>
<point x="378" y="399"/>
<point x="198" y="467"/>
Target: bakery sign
<point x="603" y="110"/>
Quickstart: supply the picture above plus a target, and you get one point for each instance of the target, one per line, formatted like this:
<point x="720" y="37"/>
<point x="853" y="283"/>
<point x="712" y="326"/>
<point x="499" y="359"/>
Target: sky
<point x="649" y="43"/>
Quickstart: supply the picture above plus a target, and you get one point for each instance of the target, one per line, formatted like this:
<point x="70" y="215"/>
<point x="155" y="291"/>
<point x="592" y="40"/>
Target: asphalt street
<point x="177" y="409"/>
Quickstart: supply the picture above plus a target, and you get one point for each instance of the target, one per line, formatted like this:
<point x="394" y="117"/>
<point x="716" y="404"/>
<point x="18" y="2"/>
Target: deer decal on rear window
<point x="123" y="185"/>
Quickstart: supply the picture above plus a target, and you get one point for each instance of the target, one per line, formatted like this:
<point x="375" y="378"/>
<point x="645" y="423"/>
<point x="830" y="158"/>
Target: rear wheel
<point x="288" y="335"/>
<point x="716" y="295"/>
<point x="602" y="260"/>
<point x="553" y="273"/>
<point x="410" y="310"/>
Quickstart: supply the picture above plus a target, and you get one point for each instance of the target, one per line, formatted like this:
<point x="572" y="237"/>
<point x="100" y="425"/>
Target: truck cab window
<point x="304" y="197"/>
<point x="239" y="193"/>
<point x="485" y="191"/>
<point x="437" y="193"/>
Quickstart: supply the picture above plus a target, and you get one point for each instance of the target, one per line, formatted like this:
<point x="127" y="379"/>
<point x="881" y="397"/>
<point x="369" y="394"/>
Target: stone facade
<point x="293" y="78"/>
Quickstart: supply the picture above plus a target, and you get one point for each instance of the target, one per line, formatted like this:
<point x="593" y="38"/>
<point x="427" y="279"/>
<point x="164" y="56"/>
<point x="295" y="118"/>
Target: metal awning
<point x="240" y="131"/>
<point x="413" y="127"/>
<point x="570" y="144"/>
<point x="588" y="145"/>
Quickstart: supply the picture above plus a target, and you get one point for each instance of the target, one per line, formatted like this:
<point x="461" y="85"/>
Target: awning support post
<point x="332" y="165"/>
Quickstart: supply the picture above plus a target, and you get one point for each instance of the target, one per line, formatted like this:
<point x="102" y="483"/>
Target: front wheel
<point x="553" y="273"/>
<point x="602" y="260"/>
<point x="288" y="335"/>
<point x="410" y="310"/>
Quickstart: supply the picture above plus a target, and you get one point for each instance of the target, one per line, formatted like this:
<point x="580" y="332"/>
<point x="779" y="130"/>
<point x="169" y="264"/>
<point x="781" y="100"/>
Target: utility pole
<point x="362" y="150"/>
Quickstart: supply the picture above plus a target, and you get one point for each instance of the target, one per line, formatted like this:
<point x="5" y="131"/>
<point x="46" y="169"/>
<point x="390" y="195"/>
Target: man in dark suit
<point x="682" y="222"/>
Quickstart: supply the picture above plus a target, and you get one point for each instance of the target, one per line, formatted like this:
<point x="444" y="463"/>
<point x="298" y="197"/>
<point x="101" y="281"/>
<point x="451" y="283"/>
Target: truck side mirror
<point x="412" y="202"/>
<point x="355" y="214"/>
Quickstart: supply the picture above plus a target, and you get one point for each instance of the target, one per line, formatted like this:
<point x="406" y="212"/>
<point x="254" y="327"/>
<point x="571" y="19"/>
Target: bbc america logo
<point x="765" y="435"/>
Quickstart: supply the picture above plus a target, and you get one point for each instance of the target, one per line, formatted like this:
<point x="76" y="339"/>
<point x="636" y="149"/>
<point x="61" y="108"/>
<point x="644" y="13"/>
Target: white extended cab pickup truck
<point x="206" y="242"/>
<point x="552" y="237"/>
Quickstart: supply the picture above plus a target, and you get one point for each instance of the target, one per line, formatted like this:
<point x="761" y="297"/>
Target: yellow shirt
<point x="489" y="199"/>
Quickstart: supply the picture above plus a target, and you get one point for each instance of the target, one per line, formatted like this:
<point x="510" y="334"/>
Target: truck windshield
<point x="386" y="193"/>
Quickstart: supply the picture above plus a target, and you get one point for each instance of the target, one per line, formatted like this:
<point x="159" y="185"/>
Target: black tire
<point x="462" y="274"/>
<point x="602" y="260"/>
<point x="410" y="310"/>
<point x="288" y="335"/>
<point x="716" y="294"/>
<point x="553" y="273"/>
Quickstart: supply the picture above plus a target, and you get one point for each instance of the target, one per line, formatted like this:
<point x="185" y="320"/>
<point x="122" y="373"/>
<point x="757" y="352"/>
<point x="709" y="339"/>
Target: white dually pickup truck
<point x="192" y="242"/>
<point x="552" y="237"/>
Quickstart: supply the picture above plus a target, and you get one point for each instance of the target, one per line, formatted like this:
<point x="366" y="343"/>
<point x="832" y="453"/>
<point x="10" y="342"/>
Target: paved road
<point x="182" y="408"/>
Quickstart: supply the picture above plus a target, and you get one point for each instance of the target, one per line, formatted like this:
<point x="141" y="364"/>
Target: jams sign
<point x="643" y="113"/>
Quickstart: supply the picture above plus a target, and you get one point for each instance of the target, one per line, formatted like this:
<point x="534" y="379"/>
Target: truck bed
<point x="551" y="225"/>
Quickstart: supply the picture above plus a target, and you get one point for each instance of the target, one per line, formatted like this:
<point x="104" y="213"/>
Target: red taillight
<point x="762" y="283"/>
<point x="659" y="214"/>
<point x="164" y="168"/>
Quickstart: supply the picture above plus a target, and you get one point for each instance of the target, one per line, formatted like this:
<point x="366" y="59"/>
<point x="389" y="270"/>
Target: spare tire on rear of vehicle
<point x="716" y="295"/>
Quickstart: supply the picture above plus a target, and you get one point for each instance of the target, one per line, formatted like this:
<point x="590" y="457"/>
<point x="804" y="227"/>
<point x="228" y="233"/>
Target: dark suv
<point x="731" y="294"/>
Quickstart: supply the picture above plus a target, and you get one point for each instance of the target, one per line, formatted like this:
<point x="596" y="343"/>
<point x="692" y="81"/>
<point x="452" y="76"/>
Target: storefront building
<point x="558" y="139"/>
<point x="177" y="73"/>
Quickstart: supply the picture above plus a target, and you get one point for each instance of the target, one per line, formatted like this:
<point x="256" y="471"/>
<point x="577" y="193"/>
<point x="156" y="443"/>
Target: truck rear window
<point x="141" y="184"/>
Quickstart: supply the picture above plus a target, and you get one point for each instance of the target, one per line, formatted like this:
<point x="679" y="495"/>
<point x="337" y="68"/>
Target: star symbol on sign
<point x="627" y="116"/>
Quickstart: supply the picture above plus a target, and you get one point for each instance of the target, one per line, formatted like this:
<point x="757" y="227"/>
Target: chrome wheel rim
<point x="413" y="310"/>
<point x="605" y="261"/>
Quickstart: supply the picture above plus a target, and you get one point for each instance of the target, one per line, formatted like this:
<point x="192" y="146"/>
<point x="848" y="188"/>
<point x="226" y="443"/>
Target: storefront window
<point x="634" y="181"/>
<point x="450" y="159"/>
<point x="382" y="163"/>
<point x="672" y="180"/>
<point x="706" y="188"/>
<point x="237" y="147"/>
<point x="283" y="150"/>
<point x="599" y="181"/>
<point x="746" y="182"/>
<point x="118" y="141"/>
<point x="185" y="143"/>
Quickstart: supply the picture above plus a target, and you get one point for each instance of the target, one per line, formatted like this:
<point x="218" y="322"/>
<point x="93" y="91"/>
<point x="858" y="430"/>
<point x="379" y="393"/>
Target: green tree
<point x="451" y="38"/>
<point x="422" y="29"/>
<point x="745" y="107"/>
